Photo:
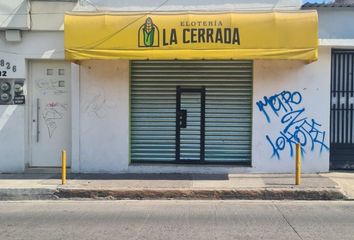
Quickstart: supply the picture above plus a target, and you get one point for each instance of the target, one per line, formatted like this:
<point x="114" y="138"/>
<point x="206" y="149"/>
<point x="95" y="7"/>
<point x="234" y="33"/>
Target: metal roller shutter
<point x="228" y="110"/>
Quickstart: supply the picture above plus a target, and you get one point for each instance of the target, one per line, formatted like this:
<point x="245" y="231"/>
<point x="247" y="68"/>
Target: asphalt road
<point x="182" y="220"/>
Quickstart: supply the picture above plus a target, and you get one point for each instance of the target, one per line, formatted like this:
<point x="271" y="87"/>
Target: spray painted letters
<point x="297" y="128"/>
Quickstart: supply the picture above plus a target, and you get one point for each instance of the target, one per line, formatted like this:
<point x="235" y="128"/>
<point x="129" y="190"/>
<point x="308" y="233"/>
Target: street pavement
<point x="176" y="219"/>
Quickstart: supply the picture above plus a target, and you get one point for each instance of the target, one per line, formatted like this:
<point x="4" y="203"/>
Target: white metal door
<point x="50" y="113"/>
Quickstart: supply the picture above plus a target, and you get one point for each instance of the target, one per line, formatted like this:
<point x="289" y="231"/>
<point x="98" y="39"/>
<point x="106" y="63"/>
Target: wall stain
<point x="97" y="106"/>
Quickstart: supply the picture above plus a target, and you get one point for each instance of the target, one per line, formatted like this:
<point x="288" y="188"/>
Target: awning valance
<point x="187" y="35"/>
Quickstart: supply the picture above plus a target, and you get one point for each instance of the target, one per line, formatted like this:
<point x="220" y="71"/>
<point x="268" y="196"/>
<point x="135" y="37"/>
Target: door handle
<point x="182" y="118"/>
<point x="37" y="123"/>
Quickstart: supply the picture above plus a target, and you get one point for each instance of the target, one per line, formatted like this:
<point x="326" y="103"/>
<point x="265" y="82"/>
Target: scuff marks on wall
<point x="97" y="101"/>
<point x="286" y="108"/>
<point x="96" y="106"/>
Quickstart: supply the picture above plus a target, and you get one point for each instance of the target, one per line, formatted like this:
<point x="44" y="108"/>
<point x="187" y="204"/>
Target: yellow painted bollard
<point x="298" y="164"/>
<point x="63" y="167"/>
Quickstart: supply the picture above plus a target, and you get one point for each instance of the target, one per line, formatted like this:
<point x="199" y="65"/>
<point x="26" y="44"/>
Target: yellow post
<point x="63" y="166"/>
<point x="298" y="164"/>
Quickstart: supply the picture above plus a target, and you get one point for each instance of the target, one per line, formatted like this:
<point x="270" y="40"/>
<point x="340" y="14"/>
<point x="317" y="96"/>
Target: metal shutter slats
<point x="228" y="110"/>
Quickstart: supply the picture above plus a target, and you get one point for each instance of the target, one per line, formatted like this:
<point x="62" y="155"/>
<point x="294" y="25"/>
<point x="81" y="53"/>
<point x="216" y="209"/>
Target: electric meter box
<point x="12" y="92"/>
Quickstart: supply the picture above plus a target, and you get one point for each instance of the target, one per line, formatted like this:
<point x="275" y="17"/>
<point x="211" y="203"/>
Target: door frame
<point x="29" y="83"/>
<point x="342" y="115"/>
<point x="201" y="91"/>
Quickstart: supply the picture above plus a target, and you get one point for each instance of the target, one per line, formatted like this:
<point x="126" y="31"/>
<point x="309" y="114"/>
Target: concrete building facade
<point x="92" y="109"/>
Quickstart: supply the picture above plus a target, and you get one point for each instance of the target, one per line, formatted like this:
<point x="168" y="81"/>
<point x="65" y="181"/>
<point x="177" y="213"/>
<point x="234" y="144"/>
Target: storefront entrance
<point x="190" y="124"/>
<point x="191" y="112"/>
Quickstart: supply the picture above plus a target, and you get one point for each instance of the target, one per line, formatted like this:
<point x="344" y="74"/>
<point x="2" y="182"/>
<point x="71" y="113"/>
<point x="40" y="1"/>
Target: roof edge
<point x="309" y="5"/>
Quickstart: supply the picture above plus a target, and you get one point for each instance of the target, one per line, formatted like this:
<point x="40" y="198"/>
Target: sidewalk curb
<point x="201" y="194"/>
<point x="18" y="194"/>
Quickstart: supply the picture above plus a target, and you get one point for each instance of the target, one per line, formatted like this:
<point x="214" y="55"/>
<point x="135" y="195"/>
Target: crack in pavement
<point x="286" y="220"/>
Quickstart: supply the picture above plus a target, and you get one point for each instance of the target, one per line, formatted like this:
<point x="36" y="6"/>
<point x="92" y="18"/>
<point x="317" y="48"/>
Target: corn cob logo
<point x="148" y="34"/>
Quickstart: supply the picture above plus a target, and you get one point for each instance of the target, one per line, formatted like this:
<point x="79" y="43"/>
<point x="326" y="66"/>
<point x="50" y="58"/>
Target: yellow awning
<point x="192" y="35"/>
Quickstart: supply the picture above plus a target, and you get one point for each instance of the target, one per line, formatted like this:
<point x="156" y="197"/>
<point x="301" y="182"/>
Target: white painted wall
<point x="313" y="82"/>
<point x="104" y="122"/>
<point x="14" y="14"/>
<point x="34" y="15"/>
<point x="49" y="15"/>
<point x="13" y="121"/>
<point x="336" y="23"/>
<point x="12" y="138"/>
<point x="75" y="117"/>
<point x="104" y="116"/>
<point x="34" y="45"/>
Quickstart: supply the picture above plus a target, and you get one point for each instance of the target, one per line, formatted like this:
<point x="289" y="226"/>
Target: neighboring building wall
<point x="335" y="23"/>
<point x="14" y="14"/>
<point x="104" y="116"/>
<point x="34" y="14"/>
<point x="49" y="15"/>
<point x="13" y="125"/>
<point x="49" y="44"/>
<point x="312" y="81"/>
<point x="188" y="5"/>
<point x="12" y="138"/>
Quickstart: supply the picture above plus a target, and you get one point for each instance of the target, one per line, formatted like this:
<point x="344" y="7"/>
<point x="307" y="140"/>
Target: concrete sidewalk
<point x="327" y="186"/>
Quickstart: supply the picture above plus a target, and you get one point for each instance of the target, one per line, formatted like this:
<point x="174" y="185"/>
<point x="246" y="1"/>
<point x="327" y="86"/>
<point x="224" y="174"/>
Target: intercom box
<point x="12" y="91"/>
